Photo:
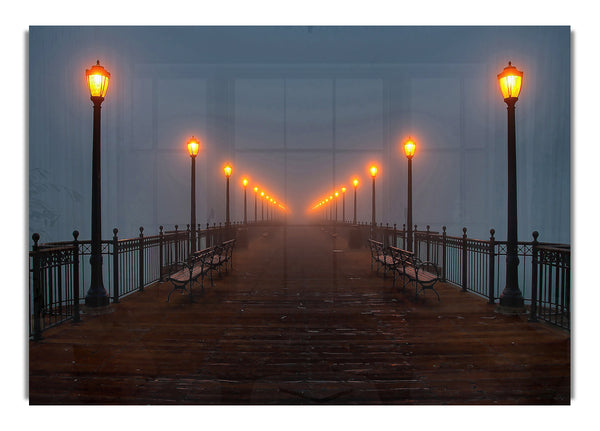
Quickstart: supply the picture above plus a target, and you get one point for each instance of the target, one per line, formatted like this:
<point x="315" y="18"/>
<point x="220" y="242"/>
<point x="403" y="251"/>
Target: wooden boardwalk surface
<point x="301" y="319"/>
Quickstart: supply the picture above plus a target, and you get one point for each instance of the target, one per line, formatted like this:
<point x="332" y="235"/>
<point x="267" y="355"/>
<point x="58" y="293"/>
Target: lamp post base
<point x="511" y="305"/>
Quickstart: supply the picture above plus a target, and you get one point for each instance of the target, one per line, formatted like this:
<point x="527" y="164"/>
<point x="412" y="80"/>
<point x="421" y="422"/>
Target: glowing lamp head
<point x="355" y="182"/>
<point x="193" y="146"/>
<point x="343" y="189"/>
<point x="245" y="182"/>
<point x="97" y="79"/>
<point x="227" y="170"/>
<point x="373" y="171"/>
<point x="510" y="81"/>
<point x="255" y="189"/>
<point x="409" y="148"/>
<point x="336" y="194"/>
<point x="262" y="194"/>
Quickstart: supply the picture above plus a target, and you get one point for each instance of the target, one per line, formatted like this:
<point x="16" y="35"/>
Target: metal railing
<point x="59" y="273"/>
<point x="477" y="266"/>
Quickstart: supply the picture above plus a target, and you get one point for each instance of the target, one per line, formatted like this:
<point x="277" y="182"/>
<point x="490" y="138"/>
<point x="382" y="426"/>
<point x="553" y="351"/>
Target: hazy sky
<point x="300" y="111"/>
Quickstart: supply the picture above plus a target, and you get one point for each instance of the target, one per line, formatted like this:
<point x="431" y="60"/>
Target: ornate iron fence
<point x="59" y="273"/>
<point x="478" y="266"/>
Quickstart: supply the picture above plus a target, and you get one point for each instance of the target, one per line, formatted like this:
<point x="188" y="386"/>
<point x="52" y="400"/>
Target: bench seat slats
<point x="199" y="264"/>
<point x="405" y="265"/>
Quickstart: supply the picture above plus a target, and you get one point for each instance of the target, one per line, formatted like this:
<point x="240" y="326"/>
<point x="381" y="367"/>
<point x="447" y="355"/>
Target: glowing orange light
<point x="245" y="182"/>
<point x="510" y="81"/>
<point x="255" y="189"/>
<point x="409" y="148"/>
<point x="262" y="194"/>
<point x="343" y="189"/>
<point x="336" y="194"/>
<point x="193" y="146"/>
<point x="227" y="169"/>
<point x="355" y="182"/>
<point x="373" y="171"/>
<point x="97" y="79"/>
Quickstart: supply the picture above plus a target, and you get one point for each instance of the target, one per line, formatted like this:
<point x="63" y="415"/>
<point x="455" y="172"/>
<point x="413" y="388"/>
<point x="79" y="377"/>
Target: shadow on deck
<point x="301" y="319"/>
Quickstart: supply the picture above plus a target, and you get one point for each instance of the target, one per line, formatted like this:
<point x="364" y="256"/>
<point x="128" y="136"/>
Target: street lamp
<point x="255" y="204"/>
<point x="336" y="202"/>
<point x="227" y="169"/>
<point x="193" y="146"/>
<point x="97" y="79"/>
<point x="245" y="184"/>
<point x="262" y="206"/>
<point x="343" y="204"/>
<point x="331" y="208"/>
<point x="510" y="81"/>
<point x="373" y="171"/>
<point x="355" y="183"/>
<point x="409" y="151"/>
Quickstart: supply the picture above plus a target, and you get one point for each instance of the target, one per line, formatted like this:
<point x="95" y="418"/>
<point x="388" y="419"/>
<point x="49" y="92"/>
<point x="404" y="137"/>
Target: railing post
<point x="37" y="289"/>
<point x="76" y="316"/>
<point x="534" y="278"/>
<point x="492" y="267"/>
<point x="428" y="242"/>
<point x="141" y="259"/>
<point x="115" y="247"/>
<point x="189" y="240"/>
<point x="464" y="260"/>
<point x="412" y="243"/>
<point x="161" y="252"/>
<point x="444" y="254"/>
<point x="395" y="236"/>
<point x="403" y="236"/>
<point x="176" y="243"/>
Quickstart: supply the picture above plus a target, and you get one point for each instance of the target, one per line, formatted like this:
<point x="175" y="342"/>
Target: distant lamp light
<point x="355" y="182"/>
<point x="97" y="80"/>
<point x="193" y="147"/>
<point x="227" y="170"/>
<point x="255" y="189"/>
<point x="245" y="182"/>
<point x="409" y="148"/>
<point x="510" y="81"/>
<point x="373" y="171"/>
<point x="343" y="189"/>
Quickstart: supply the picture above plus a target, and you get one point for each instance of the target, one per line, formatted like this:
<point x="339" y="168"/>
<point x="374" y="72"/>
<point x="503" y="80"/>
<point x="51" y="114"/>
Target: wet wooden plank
<point x="299" y="323"/>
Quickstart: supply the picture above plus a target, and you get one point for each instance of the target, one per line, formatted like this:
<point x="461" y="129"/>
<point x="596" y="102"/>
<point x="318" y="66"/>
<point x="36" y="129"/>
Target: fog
<point x="300" y="112"/>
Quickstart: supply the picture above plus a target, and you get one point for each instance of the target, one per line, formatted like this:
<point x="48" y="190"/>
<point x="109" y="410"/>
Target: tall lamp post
<point x="409" y="151"/>
<point x="255" y="204"/>
<point x="227" y="169"/>
<point x="336" y="202"/>
<point x="262" y="206"/>
<point x="355" y="183"/>
<point x="373" y="171"/>
<point x="330" y="207"/>
<point x="97" y="79"/>
<point x="510" y="81"/>
<point x="343" y="204"/>
<point x="193" y="146"/>
<point x="245" y="184"/>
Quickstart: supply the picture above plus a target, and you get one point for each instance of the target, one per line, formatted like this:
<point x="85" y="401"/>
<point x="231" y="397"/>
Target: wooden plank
<point x="299" y="322"/>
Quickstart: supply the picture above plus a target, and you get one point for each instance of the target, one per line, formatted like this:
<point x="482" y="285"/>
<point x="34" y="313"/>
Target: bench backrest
<point x="403" y="257"/>
<point x="376" y="248"/>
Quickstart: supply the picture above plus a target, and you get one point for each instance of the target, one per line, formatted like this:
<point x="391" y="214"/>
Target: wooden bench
<point x="380" y="258"/>
<point x="424" y="274"/>
<point x="183" y="274"/>
<point x="223" y="256"/>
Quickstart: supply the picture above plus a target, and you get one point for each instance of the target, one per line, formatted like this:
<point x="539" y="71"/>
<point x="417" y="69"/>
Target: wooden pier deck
<point x="301" y="319"/>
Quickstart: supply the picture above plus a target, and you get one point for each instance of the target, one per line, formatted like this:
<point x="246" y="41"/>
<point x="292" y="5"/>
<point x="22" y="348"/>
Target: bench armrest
<point x="427" y="266"/>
